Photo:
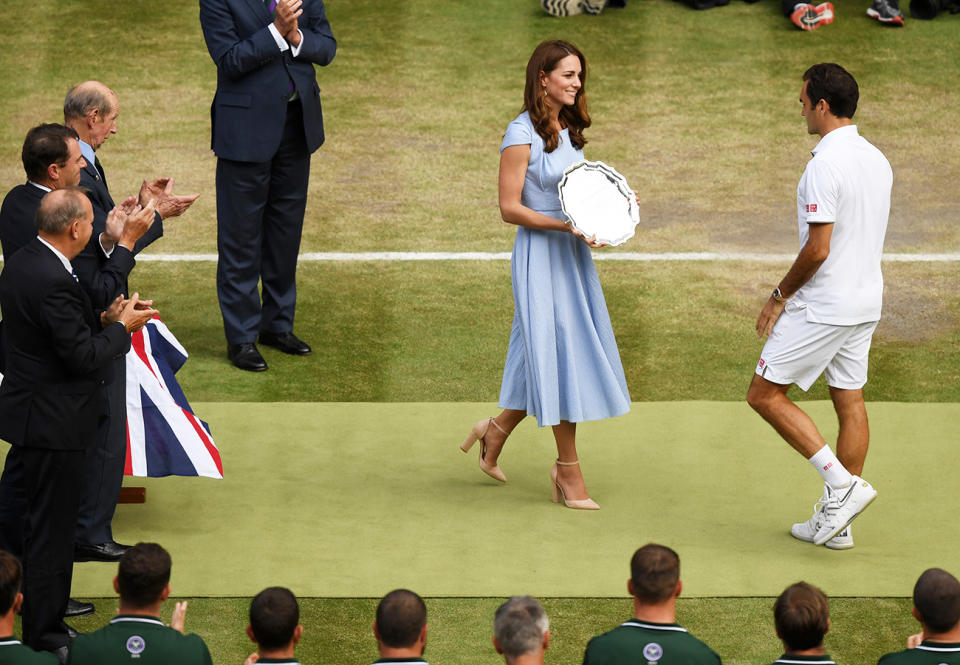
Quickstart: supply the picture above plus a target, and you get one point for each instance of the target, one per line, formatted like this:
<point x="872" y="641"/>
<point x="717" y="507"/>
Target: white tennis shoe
<point x="806" y="531"/>
<point x="842" y="507"/>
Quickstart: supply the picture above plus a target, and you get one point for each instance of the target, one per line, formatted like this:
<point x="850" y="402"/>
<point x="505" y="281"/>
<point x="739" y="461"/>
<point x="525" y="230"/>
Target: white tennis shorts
<point x="798" y="351"/>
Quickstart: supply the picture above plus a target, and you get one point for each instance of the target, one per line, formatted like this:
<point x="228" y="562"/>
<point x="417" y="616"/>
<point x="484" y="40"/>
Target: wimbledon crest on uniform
<point x="136" y="645"/>
<point x="653" y="652"/>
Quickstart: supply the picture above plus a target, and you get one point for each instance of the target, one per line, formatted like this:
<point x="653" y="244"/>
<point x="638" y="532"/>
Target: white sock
<point x="828" y="466"/>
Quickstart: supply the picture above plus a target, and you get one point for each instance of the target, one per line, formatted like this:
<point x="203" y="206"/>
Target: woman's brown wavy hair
<point x="545" y="59"/>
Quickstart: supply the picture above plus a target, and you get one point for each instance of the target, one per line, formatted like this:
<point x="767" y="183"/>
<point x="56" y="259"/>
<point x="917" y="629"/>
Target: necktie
<point x="291" y="89"/>
<point x="96" y="165"/>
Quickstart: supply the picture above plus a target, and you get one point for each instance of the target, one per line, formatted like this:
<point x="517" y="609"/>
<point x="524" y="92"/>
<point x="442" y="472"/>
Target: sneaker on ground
<point x="886" y="11"/>
<point x="809" y="17"/>
<point x="842" y="507"/>
<point x="841" y="541"/>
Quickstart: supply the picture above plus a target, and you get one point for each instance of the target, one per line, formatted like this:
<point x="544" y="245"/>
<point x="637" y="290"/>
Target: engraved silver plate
<point x="598" y="202"/>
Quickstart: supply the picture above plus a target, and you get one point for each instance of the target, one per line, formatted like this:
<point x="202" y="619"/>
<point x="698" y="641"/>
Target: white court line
<point x="505" y="256"/>
<point x="598" y="256"/>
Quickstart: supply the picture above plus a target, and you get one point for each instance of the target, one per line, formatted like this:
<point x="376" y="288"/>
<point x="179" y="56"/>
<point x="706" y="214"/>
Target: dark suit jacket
<point x="253" y="76"/>
<point x="16" y="218"/>
<point x="58" y="355"/>
<point x="104" y="279"/>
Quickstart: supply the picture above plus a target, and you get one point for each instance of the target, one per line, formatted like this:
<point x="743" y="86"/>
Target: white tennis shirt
<point x="847" y="182"/>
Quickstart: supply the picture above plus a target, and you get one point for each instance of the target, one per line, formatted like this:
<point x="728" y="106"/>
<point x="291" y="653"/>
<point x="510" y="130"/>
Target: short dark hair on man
<point x="401" y="616"/>
<point x="274" y="615"/>
<point x="936" y="596"/>
<point x="45" y="145"/>
<point x="10" y="575"/>
<point x="59" y="208"/>
<point x="654" y="571"/>
<point x="143" y="573"/>
<point x="801" y="614"/>
<point x="835" y="84"/>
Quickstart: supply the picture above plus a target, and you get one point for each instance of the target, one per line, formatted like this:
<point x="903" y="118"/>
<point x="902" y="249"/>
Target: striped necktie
<point x="291" y="88"/>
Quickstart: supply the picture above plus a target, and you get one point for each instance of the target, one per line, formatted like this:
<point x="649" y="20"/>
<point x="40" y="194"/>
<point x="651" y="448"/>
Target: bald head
<point x="65" y="220"/>
<point x="91" y="108"/>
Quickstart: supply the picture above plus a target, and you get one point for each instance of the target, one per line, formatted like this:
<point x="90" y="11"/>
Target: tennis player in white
<point x="821" y="317"/>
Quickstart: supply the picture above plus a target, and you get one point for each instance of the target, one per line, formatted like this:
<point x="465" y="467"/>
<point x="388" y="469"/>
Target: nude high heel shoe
<point x="476" y="434"/>
<point x="578" y="504"/>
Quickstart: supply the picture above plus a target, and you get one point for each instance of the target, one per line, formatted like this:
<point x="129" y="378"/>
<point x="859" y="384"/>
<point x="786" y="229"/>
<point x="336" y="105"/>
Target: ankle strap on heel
<point x="497" y="425"/>
<point x="574" y="463"/>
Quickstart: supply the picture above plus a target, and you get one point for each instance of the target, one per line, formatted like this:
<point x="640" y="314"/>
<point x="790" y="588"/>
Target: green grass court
<point x="325" y="457"/>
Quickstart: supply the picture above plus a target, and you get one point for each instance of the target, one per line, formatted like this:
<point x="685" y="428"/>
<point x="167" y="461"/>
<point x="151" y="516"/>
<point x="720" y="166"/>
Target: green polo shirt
<point x="928" y="653"/>
<point x="790" y="659"/>
<point x="637" y="642"/>
<point x="138" y="639"/>
<point x="12" y="652"/>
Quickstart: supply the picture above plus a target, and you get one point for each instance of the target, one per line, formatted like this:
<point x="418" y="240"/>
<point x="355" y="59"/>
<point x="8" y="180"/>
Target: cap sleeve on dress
<point x="519" y="132"/>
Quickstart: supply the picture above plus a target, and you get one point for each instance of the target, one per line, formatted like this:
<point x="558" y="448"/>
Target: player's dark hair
<point x="936" y="596"/>
<point x="274" y="616"/>
<point x="802" y="615"/>
<point x="401" y="616"/>
<point x="654" y="571"/>
<point x="143" y="573"/>
<point x="545" y="58"/>
<point x="835" y="84"/>
<point x="45" y="145"/>
<point x="10" y="575"/>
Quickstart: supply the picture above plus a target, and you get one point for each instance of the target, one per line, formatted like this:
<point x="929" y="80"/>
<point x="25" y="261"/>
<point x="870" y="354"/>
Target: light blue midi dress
<point x="563" y="362"/>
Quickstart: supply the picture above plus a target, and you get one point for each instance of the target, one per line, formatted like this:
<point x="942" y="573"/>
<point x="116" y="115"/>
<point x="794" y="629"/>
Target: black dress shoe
<point x="108" y="551"/>
<point x="78" y="608"/>
<point x="286" y="342"/>
<point x="71" y="631"/>
<point x="245" y="356"/>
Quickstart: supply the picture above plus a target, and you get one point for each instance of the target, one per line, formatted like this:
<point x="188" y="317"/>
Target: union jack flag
<point x="164" y="437"/>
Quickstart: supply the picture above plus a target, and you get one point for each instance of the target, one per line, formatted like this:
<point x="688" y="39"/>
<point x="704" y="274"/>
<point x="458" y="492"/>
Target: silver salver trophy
<point x="598" y="202"/>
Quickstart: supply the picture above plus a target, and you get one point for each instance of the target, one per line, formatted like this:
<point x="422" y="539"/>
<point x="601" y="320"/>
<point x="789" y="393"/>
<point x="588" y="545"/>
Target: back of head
<point x="274" y="616"/>
<point x="10" y="576"/>
<point x="654" y="572"/>
<point x="142" y="575"/>
<point x="59" y="208"/>
<point x="936" y="596"/>
<point x="401" y="616"/>
<point x="802" y="616"/>
<point x="45" y="145"/>
<point x="85" y="97"/>
<point x="835" y="84"/>
<point x="519" y="626"/>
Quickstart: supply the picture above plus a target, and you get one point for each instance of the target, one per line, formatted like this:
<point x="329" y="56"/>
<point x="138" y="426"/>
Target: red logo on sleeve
<point x="811" y="207"/>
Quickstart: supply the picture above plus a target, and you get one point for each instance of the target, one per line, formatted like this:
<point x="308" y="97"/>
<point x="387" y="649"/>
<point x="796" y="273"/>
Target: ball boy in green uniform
<point x="652" y="636"/>
<point x="936" y="605"/>
<point x="136" y="634"/>
<point x="274" y="626"/>
<point x="12" y="652"/>
<point x="802" y="618"/>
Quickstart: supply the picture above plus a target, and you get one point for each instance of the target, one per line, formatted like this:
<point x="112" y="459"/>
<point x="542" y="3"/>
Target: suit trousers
<point x="103" y="468"/>
<point x="260" y="208"/>
<point x="13" y="503"/>
<point x="53" y="483"/>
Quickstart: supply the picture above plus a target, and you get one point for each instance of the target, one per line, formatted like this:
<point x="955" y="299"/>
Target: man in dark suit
<point x="91" y="109"/>
<point x="267" y="121"/>
<point x="59" y="352"/>
<point x="51" y="160"/>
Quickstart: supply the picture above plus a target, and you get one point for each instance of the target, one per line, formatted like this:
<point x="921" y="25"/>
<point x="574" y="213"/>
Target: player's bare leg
<point x="771" y="402"/>
<point x="854" y="437"/>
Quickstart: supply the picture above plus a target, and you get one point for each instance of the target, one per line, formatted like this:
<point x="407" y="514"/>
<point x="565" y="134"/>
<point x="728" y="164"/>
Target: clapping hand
<point x="179" y="617"/>
<point x="168" y="204"/>
<point x="286" y="19"/>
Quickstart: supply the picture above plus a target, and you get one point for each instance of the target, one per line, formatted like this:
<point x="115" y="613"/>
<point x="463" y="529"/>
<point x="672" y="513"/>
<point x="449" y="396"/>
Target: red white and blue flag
<point x="164" y="437"/>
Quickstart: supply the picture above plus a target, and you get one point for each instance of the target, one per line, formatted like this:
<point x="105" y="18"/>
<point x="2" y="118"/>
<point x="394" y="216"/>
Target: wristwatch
<point x="778" y="296"/>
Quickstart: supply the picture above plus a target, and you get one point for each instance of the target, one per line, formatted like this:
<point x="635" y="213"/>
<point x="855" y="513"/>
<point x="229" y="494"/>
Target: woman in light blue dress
<point x="562" y="365"/>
